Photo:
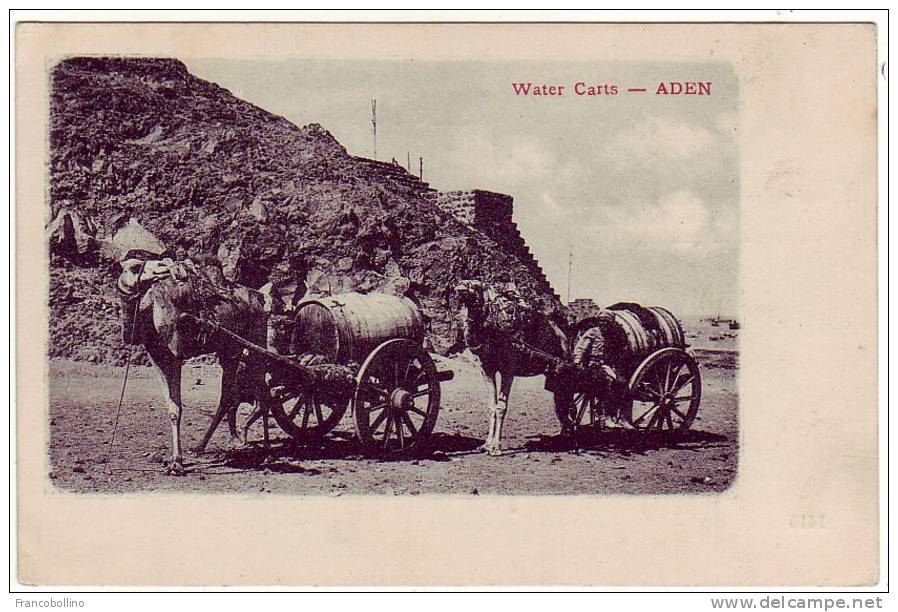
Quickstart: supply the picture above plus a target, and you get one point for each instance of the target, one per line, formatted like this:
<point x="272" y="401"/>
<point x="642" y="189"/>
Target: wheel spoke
<point x="318" y="414"/>
<point x="669" y="420"/>
<point x="399" y="433"/>
<point x="388" y="429"/>
<point x="408" y="368"/>
<point x="579" y="413"/>
<point x="644" y="388"/>
<point x="418" y="394"/>
<point x="657" y="421"/>
<point x="408" y="423"/>
<point x="645" y="414"/>
<point x="668" y="378"/>
<point x="677" y="373"/>
<point x="679" y="414"/>
<point x="651" y="421"/>
<point x="305" y="412"/>
<point x="417" y="410"/>
<point x="295" y="409"/>
<point x="594" y="407"/>
<point x="368" y="387"/>
<point x="686" y="382"/>
<point x="378" y="407"/>
<point x="380" y="419"/>
<point x="684" y="398"/>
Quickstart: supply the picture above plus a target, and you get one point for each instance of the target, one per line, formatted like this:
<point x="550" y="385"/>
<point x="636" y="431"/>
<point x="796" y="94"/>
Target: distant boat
<point x="734" y="324"/>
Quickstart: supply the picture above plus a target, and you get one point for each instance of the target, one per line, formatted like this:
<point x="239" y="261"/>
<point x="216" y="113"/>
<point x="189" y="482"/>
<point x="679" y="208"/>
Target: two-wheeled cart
<point x="360" y="351"/>
<point x="659" y="387"/>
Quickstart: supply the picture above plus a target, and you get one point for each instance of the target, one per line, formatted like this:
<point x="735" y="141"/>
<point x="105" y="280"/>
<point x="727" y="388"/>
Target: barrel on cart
<point x="396" y="397"/>
<point x="364" y="351"/>
<point x="659" y="384"/>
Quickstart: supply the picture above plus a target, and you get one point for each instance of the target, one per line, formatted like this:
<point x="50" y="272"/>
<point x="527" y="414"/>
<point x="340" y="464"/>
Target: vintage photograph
<point x="442" y="305"/>
<point x="392" y="277"/>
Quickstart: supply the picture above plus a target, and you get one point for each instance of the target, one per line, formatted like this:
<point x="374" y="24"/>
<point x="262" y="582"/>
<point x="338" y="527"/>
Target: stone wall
<point x="491" y="213"/>
<point x="582" y="308"/>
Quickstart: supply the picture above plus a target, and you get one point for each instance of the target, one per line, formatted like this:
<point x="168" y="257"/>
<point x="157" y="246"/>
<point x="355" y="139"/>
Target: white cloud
<point x="662" y="139"/>
<point x="727" y="124"/>
<point x="550" y="205"/>
<point x="496" y="164"/>
<point x="677" y="221"/>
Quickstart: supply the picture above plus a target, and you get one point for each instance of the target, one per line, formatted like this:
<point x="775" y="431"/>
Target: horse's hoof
<point x="175" y="468"/>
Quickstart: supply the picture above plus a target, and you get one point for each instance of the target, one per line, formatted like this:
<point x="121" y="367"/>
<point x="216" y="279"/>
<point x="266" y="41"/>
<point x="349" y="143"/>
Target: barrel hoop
<point x="646" y="317"/>
<point x="671" y="327"/>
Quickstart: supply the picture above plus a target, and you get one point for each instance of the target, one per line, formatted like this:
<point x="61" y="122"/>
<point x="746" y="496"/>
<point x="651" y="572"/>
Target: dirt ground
<point x="83" y="399"/>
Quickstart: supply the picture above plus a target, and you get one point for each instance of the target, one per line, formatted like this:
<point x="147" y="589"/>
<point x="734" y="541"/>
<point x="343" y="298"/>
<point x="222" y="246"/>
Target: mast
<point x="570" y="265"/>
<point x="374" y="124"/>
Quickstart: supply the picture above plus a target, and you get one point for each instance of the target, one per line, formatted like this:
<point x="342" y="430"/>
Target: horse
<point x="171" y="338"/>
<point x="504" y="355"/>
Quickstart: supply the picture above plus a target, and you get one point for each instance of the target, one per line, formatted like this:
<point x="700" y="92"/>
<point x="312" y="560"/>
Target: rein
<point x="121" y="397"/>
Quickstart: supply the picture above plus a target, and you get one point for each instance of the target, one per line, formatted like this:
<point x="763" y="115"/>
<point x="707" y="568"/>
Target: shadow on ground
<point x="286" y="455"/>
<point x="625" y="442"/>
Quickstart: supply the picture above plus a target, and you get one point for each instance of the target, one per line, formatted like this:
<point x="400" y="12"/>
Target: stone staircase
<point x="483" y="211"/>
<point x="491" y="213"/>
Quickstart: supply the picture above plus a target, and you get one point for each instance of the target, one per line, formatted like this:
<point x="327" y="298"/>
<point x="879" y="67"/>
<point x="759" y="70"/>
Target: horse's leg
<point x="489" y="378"/>
<point x="263" y="411"/>
<point x="501" y="410"/>
<point x="240" y="372"/>
<point x="169" y="368"/>
<point x="261" y="400"/>
<point x="228" y="400"/>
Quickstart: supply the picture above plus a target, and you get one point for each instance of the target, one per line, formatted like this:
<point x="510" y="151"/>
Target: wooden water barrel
<point x="638" y="331"/>
<point x="347" y="327"/>
<point x="671" y="330"/>
<point x="640" y="341"/>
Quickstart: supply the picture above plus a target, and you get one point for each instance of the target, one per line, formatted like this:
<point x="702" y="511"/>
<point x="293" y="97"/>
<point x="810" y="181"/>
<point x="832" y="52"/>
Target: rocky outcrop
<point x="211" y="174"/>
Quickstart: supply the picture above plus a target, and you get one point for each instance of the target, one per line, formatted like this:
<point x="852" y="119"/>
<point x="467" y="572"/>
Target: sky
<point x="639" y="191"/>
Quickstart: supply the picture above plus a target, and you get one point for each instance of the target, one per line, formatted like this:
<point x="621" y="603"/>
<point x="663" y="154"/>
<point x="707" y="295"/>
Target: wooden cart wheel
<point x="666" y="390"/>
<point x="397" y="398"/>
<point x="579" y="408"/>
<point x="303" y="415"/>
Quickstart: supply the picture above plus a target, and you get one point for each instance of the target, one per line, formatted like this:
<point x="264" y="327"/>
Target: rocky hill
<point x="210" y="173"/>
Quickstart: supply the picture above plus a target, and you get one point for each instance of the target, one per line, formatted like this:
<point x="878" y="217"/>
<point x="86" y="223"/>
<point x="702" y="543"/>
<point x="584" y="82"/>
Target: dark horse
<point x="504" y="357"/>
<point x="170" y="339"/>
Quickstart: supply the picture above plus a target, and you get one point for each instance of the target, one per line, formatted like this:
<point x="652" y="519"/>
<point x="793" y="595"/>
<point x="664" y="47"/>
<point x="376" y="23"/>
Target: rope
<point x="121" y="397"/>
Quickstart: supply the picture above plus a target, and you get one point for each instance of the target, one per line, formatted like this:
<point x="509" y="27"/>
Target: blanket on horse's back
<point x="506" y="309"/>
<point x="195" y="287"/>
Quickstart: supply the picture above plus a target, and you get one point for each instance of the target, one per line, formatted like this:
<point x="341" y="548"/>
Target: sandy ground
<point x="83" y="399"/>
